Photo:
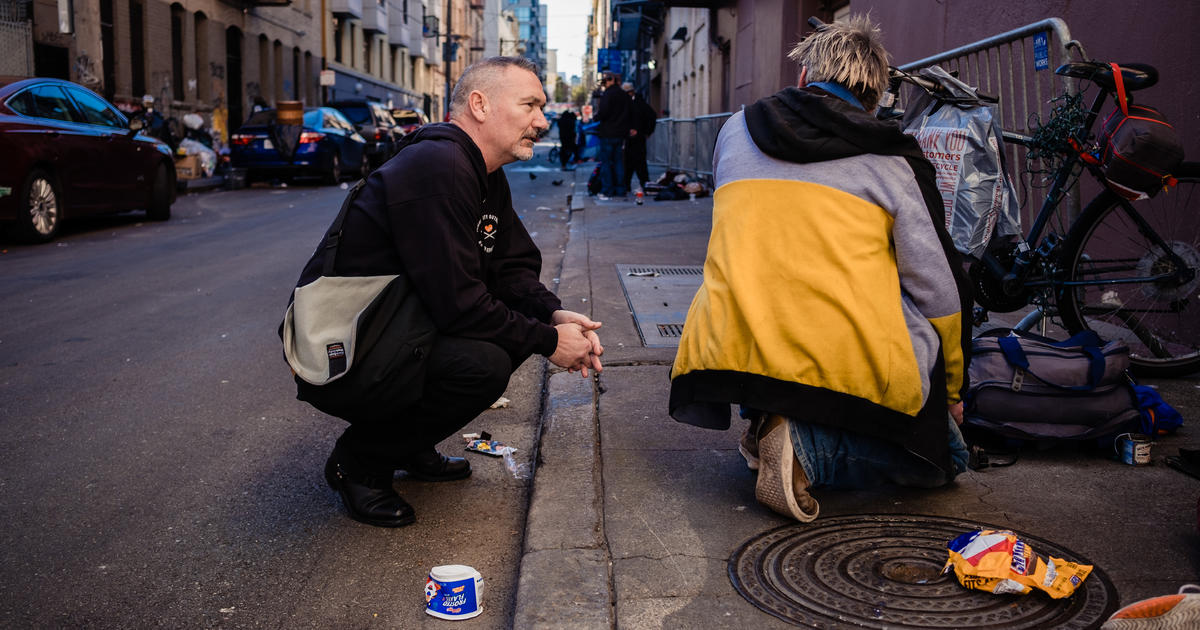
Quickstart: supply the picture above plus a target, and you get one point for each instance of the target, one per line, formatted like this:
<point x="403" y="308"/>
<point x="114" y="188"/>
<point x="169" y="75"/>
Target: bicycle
<point x="1124" y="269"/>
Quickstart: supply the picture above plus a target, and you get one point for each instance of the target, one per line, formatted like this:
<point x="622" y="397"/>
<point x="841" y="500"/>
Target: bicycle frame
<point x="1050" y="205"/>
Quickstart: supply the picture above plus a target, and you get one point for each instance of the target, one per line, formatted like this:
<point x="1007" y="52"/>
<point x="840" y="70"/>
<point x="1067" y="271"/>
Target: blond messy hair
<point x="848" y="52"/>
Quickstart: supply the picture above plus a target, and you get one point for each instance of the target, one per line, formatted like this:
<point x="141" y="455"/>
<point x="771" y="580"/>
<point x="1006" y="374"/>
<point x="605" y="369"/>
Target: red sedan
<point x="68" y="152"/>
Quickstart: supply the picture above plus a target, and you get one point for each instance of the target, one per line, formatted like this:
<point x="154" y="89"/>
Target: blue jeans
<point x="612" y="167"/>
<point x="838" y="459"/>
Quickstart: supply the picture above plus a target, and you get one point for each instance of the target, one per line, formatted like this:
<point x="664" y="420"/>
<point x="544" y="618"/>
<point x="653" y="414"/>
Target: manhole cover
<point x="884" y="571"/>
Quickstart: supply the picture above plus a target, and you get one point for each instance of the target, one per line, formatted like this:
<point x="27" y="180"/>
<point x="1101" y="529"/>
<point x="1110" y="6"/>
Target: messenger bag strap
<point x="334" y="236"/>
<point x="1015" y="355"/>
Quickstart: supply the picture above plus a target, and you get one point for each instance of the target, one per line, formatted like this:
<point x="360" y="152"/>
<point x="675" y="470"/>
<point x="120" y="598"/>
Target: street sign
<point x="609" y="60"/>
<point x="327" y="78"/>
<point x="1041" y="52"/>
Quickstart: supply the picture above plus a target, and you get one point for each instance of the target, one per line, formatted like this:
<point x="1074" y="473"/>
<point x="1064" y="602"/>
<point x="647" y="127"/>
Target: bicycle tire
<point x="1160" y="321"/>
<point x="552" y="157"/>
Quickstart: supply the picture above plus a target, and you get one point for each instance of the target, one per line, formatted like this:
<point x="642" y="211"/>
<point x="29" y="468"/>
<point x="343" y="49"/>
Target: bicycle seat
<point x="1137" y="76"/>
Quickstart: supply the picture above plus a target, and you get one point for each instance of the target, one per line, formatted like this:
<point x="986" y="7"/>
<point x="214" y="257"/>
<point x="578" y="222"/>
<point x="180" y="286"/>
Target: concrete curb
<point x="565" y="575"/>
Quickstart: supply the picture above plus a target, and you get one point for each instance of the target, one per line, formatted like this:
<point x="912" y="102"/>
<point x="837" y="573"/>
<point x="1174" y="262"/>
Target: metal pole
<point x="446" y="53"/>
<point x="324" y="54"/>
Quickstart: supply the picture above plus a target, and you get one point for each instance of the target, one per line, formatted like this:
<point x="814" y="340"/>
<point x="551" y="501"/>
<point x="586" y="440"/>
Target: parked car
<point x="409" y="120"/>
<point x="67" y="152"/>
<point x="375" y="123"/>
<point x="325" y="145"/>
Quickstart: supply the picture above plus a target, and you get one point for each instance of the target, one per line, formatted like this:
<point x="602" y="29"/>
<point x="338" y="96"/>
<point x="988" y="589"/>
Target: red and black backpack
<point x="1139" y="148"/>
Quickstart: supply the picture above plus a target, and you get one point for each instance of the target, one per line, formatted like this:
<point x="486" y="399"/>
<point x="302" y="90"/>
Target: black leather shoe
<point x="433" y="466"/>
<point x="369" y="500"/>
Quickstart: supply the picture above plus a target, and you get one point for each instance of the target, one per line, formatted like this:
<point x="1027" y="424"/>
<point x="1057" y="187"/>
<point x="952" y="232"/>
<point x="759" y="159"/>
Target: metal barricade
<point x="1010" y="67"/>
<point x="685" y="144"/>
<point x="16" y="39"/>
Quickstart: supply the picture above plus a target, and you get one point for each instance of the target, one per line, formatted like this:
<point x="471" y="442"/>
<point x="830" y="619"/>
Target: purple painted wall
<point x="1161" y="33"/>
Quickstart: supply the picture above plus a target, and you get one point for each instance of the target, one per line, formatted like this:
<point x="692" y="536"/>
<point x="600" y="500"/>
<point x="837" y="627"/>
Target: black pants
<point x="566" y="154"/>
<point x="635" y="161"/>
<point x="463" y="378"/>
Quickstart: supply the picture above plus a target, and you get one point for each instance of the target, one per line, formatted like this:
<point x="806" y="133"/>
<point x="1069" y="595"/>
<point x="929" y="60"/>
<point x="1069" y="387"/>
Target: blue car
<point x="326" y="145"/>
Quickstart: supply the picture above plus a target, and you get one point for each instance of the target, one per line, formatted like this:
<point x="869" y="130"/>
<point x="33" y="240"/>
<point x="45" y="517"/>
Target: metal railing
<point x="16" y="39"/>
<point x="1018" y="67"/>
<point x="685" y="144"/>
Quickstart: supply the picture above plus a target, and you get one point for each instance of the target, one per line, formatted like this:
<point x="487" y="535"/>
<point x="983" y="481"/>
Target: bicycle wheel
<point x="1159" y="320"/>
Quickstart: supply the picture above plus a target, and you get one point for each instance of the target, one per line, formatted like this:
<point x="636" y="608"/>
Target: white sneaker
<point x="602" y="197"/>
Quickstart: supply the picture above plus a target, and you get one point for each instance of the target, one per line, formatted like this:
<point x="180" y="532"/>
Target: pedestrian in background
<point x="642" y="121"/>
<point x="842" y="337"/>
<point x="441" y="212"/>
<point x="566" y="137"/>
<point x="612" y="112"/>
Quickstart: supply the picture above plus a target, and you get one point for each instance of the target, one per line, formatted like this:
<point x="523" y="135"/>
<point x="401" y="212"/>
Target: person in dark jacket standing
<point x="441" y="212"/>
<point x="642" y="121"/>
<point x="566" y="137"/>
<point x="613" y="116"/>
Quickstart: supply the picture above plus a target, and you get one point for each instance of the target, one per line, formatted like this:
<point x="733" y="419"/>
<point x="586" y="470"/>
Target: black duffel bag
<point x="357" y="345"/>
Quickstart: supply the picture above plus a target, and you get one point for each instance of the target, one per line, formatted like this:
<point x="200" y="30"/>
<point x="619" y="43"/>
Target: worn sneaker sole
<point x="1169" y="612"/>
<point x="774" y="487"/>
<point x="751" y="460"/>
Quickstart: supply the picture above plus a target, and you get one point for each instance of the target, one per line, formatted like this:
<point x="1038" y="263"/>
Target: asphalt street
<point x="156" y="468"/>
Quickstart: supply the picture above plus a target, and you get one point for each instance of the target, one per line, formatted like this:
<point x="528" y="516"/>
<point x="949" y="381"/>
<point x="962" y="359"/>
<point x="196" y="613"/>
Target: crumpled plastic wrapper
<point x="997" y="561"/>
<point x="483" y="443"/>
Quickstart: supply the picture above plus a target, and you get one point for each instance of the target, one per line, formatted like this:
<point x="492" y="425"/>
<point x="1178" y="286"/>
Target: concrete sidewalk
<point x="634" y="516"/>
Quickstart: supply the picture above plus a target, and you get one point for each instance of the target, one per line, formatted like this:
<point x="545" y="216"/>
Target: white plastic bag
<point x="962" y="140"/>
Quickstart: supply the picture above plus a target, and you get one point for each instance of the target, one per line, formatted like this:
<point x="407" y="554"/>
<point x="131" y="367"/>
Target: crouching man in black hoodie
<point x="441" y="213"/>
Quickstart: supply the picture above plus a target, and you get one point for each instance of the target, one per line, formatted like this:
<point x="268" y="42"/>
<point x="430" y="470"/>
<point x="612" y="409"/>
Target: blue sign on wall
<point x="609" y="60"/>
<point x="1041" y="52"/>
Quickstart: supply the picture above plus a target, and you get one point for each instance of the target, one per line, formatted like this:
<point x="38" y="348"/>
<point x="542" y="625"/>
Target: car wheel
<point x="160" y="196"/>
<point x="41" y="208"/>
<point x="334" y="174"/>
<point x="365" y="167"/>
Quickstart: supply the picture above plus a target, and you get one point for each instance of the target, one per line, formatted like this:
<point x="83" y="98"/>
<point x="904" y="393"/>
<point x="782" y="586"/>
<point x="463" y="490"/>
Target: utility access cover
<point x="659" y="297"/>
<point x="884" y="571"/>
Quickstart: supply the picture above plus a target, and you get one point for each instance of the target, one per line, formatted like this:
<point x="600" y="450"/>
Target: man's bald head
<point x="484" y="76"/>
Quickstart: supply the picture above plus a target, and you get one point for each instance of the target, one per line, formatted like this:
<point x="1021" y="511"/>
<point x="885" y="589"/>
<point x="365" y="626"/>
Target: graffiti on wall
<point x="216" y="70"/>
<point x="85" y="72"/>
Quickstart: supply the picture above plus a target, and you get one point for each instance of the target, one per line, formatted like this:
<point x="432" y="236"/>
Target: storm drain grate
<point x="659" y="297"/>
<point x="670" y="330"/>
<point x="667" y="270"/>
<point x="884" y="571"/>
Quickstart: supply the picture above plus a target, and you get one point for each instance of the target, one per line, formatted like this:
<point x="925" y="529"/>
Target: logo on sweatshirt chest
<point x="489" y="226"/>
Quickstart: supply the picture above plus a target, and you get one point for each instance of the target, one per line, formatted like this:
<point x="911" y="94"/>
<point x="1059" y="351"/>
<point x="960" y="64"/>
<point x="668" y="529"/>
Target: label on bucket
<point x="453" y="592"/>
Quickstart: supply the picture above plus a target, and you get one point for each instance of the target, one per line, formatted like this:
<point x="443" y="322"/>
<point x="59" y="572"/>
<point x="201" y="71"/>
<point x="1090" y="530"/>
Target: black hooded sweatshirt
<point x="434" y="213"/>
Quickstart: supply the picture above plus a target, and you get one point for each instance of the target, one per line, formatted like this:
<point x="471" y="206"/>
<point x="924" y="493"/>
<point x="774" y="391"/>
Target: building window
<point x="202" y="73"/>
<point x="177" y="14"/>
<point x="108" y="48"/>
<point x="296" y="74"/>
<point x="337" y="40"/>
<point x="310" y="94"/>
<point x="367" y="53"/>
<point x="137" y="48"/>
<point x="277" y="76"/>
<point x="264" y="67"/>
